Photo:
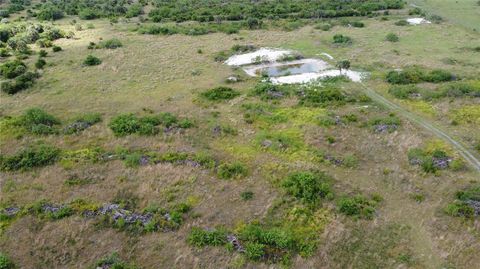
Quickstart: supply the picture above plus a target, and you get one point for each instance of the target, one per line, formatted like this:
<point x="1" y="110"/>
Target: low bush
<point x="110" y="44"/>
<point x="82" y="122"/>
<point x="342" y="39"/>
<point x="56" y="48"/>
<point x="91" y="61"/>
<point x="5" y="262"/>
<point x="358" y="206"/>
<point x="323" y="26"/>
<point x="404" y="91"/>
<point x="40" y="63"/>
<point x="308" y="187"/>
<point x="12" y="69"/>
<point x="431" y="161"/>
<point x="401" y="23"/>
<point x="466" y="203"/>
<point x="200" y="237"/>
<point x="319" y="96"/>
<point x="246" y="195"/>
<point x="269" y="91"/>
<point x="126" y="124"/>
<point x="220" y="93"/>
<point x="232" y="170"/>
<point x="20" y="83"/>
<point x="30" y="157"/>
<point x="392" y="37"/>
<point x="415" y="74"/>
<point x="114" y="262"/>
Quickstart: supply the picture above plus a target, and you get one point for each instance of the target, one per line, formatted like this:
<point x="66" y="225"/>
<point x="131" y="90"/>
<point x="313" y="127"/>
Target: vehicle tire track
<point x="464" y="152"/>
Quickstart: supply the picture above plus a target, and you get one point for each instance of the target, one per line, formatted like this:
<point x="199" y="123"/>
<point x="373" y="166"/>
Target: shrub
<point x="88" y="14"/>
<point x="82" y="122"/>
<point x="416" y="74"/>
<point x="110" y="44"/>
<point x="392" y="37"/>
<point x="5" y="262"/>
<point x="308" y="187"/>
<point x="12" y="69"/>
<point x="401" y="23"/>
<point x="358" y="206"/>
<point x="37" y="121"/>
<point x="49" y="12"/>
<point x="92" y="60"/>
<point x="125" y="124"/>
<point x="246" y="195"/>
<point x="232" y="170"/>
<point x="403" y="91"/>
<point x="254" y="251"/>
<point x="322" y="96"/>
<point x="114" y="262"/>
<point x="56" y="48"/>
<point x="358" y="24"/>
<point x="134" y="10"/>
<point x="42" y="53"/>
<point x="220" y="93"/>
<point x="199" y="237"/>
<point x="30" y="157"/>
<point x="20" y="83"/>
<point x="40" y="63"/>
<point x="341" y="39"/>
<point x="269" y="91"/>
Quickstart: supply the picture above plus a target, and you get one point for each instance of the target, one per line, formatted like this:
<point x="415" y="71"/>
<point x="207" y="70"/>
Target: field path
<point x="470" y="157"/>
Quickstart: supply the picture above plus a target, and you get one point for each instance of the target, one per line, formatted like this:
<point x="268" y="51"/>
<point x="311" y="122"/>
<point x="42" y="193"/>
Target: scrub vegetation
<point x="127" y="142"/>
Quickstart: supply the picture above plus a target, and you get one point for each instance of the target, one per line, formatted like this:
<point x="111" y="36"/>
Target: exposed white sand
<point x="309" y="77"/>
<point x="266" y="54"/>
<point x="417" y="21"/>
<point x="252" y="70"/>
<point x="327" y="55"/>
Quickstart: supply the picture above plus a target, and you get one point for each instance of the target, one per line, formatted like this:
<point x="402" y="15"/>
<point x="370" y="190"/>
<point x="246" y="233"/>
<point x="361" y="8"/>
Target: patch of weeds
<point x="6" y="262"/>
<point x="431" y="160"/>
<point x="247" y="195"/>
<point x="113" y="261"/>
<point x="467" y="203"/>
<point x="220" y="94"/>
<point x="269" y="91"/>
<point x="113" y="43"/>
<point x="44" y="209"/>
<point x="418" y="197"/>
<point x="358" y="206"/>
<point x="416" y="74"/>
<point x="319" y="96"/>
<point x="309" y="187"/>
<point x="224" y="129"/>
<point x="289" y="140"/>
<point x="126" y="124"/>
<point x="82" y="122"/>
<point x="232" y="170"/>
<point x="70" y="158"/>
<point x="262" y="113"/>
<point x="391" y="37"/>
<point x="30" y="157"/>
<point x="387" y="124"/>
<point x="33" y="121"/>
<point x="467" y="114"/>
<point x="200" y="237"/>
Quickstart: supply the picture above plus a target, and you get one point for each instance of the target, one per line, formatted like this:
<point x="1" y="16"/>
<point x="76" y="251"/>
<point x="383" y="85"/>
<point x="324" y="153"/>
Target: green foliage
<point x="415" y="74"/>
<point x="30" y="157"/>
<point x="5" y="262"/>
<point x="37" y="121"/>
<point x="232" y="170"/>
<point x="134" y="11"/>
<point x="401" y="23"/>
<point x="403" y="91"/>
<point x="220" y="93"/>
<point x="56" y="48"/>
<point x="82" y="122"/>
<point x="392" y="37"/>
<point x="247" y="195"/>
<point x="114" y="262"/>
<point x="308" y="187"/>
<point x="49" y="12"/>
<point x="110" y="44"/>
<point x="126" y="124"/>
<point x="463" y="206"/>
<point x="200" y="237"/>
<point x="269" y="91"/>
<point x="40" y="63"/>
<point x="13" y="69"/>
<point x="342" y="39"/>
<point x="91" y="61"/>
<point x="20" y="83"/>
<point x="430" y="161"/>
<point x="391" y="123"/>
<point x="320" y="96"/>
<point x="358" y="206"/>
<point x="254" y="251"/>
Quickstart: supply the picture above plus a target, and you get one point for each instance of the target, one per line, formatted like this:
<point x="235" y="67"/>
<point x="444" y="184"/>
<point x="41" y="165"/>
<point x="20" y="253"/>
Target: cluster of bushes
<point x="433" y="160"/>
<point x="310" y="188"/>
<point x="18" y="77"/>
<point x="232" y="170"/>
<point x="30" y="157"/>
<point x="359" y="206"/>
<point x="37" y="121"/>
<point x="126" y="124"/>
<point x="219" y="94"/>
<point x="452" y="89"/>
<point x="12" y="7"/>
<point x="113" y="261"/>
<point x="382" y="124"/>
<point x="112" y="43"/>
<point x="18" y="36"/>
<point x="342" y="39"/>
<point x="467" y="203"/>
<point x="415" y="74"/>
<point x="320" y="96"/>
<point x="236" y="49"/>
<point x="268" y="91"/>
<point x="88" y="9"/>
<point x="245" y="10"/>
<point x="193" y="29"/>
